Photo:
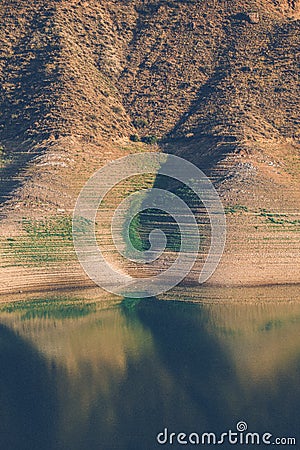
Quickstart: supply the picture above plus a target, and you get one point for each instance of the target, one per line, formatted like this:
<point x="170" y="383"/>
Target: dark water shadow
<point x="28" y="401"/>
<point x="188" y="347"/>
<point x="194" y="357"/>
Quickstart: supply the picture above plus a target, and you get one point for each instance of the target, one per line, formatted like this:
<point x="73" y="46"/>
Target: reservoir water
<point x="82" y="372"/>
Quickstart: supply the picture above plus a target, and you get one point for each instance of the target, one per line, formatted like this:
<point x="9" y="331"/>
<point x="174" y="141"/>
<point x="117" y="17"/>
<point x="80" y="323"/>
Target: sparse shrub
<point x="134" y="138"/>
<point x="139" y="123"/>
<point x="117" y="109"/>
<point x="2" y="155"/>
<point x="151" y="139"/>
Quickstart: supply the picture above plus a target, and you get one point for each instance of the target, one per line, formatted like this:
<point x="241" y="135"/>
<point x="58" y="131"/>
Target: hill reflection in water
<point x="116" y="375"/>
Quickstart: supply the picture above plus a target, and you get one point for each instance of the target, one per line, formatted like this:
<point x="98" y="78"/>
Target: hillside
<point x="79" y="78"/>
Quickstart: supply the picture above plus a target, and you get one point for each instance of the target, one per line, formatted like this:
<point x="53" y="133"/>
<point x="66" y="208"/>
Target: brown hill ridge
<point x="79" y="78"/>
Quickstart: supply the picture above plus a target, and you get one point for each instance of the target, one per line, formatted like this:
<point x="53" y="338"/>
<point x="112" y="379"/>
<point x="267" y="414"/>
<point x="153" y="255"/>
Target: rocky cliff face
<point x="179" y="66"/>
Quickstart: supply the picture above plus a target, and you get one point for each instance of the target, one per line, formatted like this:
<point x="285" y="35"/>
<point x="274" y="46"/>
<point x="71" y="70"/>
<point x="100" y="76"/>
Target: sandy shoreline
<point x="25" y="285"/>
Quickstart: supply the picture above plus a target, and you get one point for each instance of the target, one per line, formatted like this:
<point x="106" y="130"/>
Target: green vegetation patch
<point x="135" y="138"/>
<point x="135" y="228"/>
<point x="150" y="139"/>
<point x="278" y="218"/>
<point x="274" y="324"/>
<point x="44" y="241"/>
<point x="151" y="219"/>
<point x="49" y="308"/>
<point x="235" y="209"/>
